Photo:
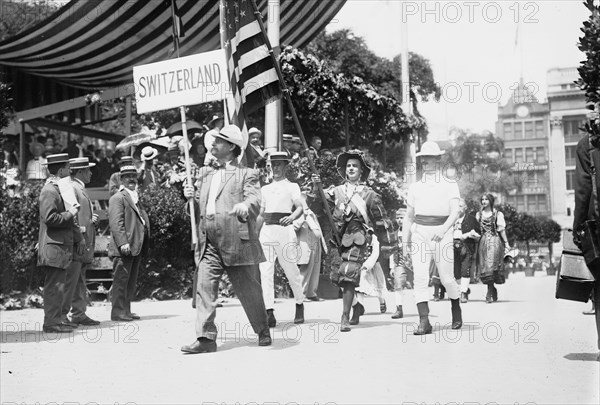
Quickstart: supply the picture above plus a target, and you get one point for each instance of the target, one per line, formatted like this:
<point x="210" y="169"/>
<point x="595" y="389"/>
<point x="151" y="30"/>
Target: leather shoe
<point x="383" y="307"/>
<point x="58" y="329"/>
<point x="201" y="345"/>
<point x="271" y="321"/>
<point x="86" y="321"/>
<point x="299" y="317"/>
<point x="264" y="338"/>
<point x="398" y="314"/>
<point x="358" y="311"/>
<point x="314" y="299"/>
<point x="122" y="318"/>
<point x="424" y="328"/>
<point x="133" y="316"/>
<point x="590" y="312"/>
<point x="456" y="324"/>
<point x="464" y="298"/>
<point x="345" y="324"/>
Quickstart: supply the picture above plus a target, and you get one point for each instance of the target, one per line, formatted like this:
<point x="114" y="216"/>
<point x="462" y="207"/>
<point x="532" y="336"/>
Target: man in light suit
<point x="75" y="288"/>
<point x="227" y="202"/>
<point x="114" y="183"/>
<point x="59" y="237"/>
<point x="130" y="230"/>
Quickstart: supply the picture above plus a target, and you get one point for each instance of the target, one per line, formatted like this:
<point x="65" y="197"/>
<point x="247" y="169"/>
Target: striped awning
<point x="94" y="44"/>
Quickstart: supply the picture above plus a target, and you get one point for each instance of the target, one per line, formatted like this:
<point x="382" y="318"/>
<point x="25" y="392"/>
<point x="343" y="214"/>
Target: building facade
<point x="523" y="125"/>
<point x="568" y="113"/>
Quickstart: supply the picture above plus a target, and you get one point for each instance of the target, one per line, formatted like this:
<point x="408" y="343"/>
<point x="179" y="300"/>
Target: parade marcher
<point x="587" y="180"/>
<point x="59" y="238"/>
<point x="147" y="173"/>
<point x="114" y="183"/>
<point x="466" y="235"/>
<point x="75" y="287"/>
<point x="227" y="204"/>
<point x="281" y="205"/>
<point x="427" y="233"/>
<point x="362" y="225"/>
<point x="492" y="246"/>
<point x="130" y="231"/>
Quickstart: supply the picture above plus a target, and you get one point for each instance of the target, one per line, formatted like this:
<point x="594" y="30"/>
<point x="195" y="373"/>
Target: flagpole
<point x="286" y="94"/>
<point x="186" y="141"/>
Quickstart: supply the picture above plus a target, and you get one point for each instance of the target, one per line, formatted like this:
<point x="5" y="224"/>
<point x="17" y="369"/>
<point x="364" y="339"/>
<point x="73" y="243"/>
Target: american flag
<point x="252" y="75"/>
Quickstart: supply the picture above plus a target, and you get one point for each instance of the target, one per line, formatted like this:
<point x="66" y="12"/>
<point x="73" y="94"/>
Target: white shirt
<point x="432" y="195"/>
<point x="217" y="178"/>
<point x="279" y="196"/>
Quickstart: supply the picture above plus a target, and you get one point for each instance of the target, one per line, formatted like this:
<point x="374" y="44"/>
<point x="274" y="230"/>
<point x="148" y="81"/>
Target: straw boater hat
<point x="127" y="170"/>
<point x="279" y="157"/>
<point x="343" y="158"/>
<point x="148" y="153"/>
<point x="57" y="158"/>
<point x="80" y="163"/>
<point x="430" y="148"/>
<point x="126" y="161"/>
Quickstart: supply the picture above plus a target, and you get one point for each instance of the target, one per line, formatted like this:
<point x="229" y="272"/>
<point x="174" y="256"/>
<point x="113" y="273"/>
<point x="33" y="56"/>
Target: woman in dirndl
<point x="362" y="225"/>
<point x="492" y="247"/>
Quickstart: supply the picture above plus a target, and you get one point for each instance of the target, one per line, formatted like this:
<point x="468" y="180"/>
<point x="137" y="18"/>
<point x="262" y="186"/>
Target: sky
<point x="476" y="51"/>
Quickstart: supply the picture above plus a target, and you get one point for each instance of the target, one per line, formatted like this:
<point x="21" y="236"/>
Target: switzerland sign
<point x="190" y="80"/>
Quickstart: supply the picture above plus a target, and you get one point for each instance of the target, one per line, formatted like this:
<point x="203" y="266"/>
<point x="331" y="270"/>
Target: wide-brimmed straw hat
<point x="343" y="158"/>
<point x="57" y="158"/>
<point x="430" y="148"/>
<point x="279" y="156"/>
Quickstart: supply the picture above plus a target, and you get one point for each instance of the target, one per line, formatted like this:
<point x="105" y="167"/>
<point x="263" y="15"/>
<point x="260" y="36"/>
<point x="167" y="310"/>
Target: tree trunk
<point x="550" y="255"/>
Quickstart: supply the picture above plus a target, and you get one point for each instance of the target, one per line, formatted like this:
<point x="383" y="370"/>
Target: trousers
<point x="423" y="251"/>
<point x="245" y="281"/>
<point x="75" y="291"/>
<point x="124" y="285"/>
<point x="279" y="242"/>
<point x="54" y="292"/>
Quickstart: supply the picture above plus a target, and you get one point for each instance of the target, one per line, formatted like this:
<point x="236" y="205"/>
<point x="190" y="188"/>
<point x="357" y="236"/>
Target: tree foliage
<point x="589" y="71"/>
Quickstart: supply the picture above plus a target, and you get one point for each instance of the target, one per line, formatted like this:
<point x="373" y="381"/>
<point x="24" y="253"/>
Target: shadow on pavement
<point x="583" y="356"/>
<point x="26" y="332"/>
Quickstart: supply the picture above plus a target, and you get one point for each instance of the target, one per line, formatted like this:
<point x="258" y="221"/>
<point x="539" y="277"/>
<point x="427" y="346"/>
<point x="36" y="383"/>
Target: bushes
<point x="19" y="230"/>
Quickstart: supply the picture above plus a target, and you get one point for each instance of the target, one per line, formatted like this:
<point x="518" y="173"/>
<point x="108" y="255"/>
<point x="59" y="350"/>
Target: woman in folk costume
<point x="362" y="226"/>
<point x="492" y="247"/>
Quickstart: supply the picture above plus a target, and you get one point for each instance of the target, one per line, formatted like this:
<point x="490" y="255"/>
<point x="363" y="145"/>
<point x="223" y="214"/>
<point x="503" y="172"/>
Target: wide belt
<point x="430" y="220"/>
<point x="272" y="218"/>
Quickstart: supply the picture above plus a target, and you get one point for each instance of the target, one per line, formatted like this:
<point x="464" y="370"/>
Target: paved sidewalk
<point x="526" y="348"/>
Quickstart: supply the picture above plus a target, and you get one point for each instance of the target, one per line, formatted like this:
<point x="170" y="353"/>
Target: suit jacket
<point x="84" y="217"/>
<point x="584" y="207"/>
<point x="58" y="232"/>
<point x="145" y="178"/>
<point x="236" y="241"/>
<point x="126" y="226"/>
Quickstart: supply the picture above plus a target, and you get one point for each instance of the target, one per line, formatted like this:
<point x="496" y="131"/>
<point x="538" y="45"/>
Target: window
<point x="529" y="130"/>
<point x="570" y="179"/>
<point x="540" y="129"/>
<point x="531" y="203"/>
<point x="518" y="130"/>
<point x="508" y="156"/>
<point x="542" y="202"/>
<point x="508" y="131"/>
<point x="540" y="155"/>
<point x="570" y="155"/>
<point x="520" y="203"/>
<point x="571" y="128"/>
<point x="518" y="155"/>
<point x="529" y="157"/>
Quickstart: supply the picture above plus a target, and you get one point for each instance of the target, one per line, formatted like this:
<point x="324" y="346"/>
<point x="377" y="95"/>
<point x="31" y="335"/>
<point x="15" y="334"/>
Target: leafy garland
<point x="589" y="71"/>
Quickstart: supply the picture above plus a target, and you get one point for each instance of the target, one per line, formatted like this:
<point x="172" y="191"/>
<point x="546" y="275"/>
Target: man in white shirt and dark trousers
<point x="281" y="204"/>
<point x="427" y="233"/>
